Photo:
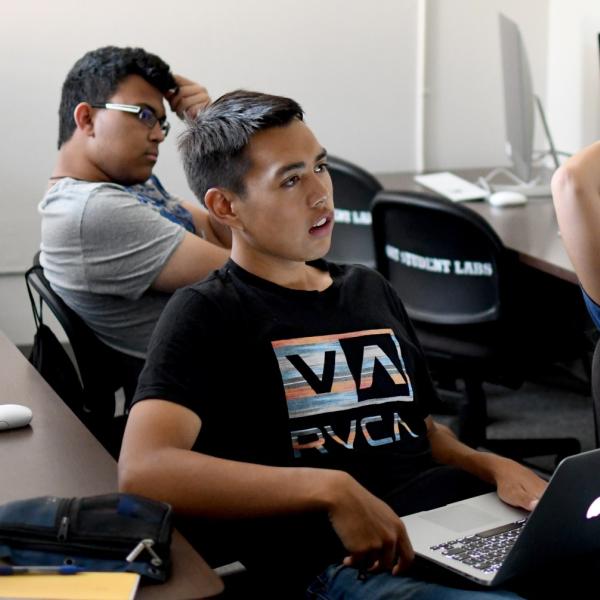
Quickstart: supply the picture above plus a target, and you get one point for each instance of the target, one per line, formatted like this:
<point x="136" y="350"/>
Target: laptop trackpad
<point x="458" y="517"/>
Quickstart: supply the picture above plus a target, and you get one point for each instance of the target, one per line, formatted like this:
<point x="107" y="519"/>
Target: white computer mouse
<point x="507" y="198"/>
<point x="14" y="415"/>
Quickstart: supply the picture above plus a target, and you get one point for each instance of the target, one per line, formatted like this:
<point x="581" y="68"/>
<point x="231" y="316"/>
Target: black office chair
<point x="460" y="287"/>
<point x="353" y="191"/>
<point x="101" y="370"/>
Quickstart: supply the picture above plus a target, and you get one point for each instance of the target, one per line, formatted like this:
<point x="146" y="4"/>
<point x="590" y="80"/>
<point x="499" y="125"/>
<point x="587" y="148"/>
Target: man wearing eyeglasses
<point x="115" y="243"/>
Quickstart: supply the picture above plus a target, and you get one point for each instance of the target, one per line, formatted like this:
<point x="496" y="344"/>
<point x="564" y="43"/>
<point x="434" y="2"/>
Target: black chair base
<point x="472" y="426"/>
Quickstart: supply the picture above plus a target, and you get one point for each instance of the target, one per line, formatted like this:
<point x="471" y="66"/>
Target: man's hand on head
<point x="189" y="99"/>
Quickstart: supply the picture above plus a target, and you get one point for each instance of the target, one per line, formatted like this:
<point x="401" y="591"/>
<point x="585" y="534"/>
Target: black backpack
<point x="51" y="360"/>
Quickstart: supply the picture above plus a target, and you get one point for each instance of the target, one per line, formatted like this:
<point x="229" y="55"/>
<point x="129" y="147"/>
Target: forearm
<point x="515" y="484"/>
<point x="203" y="485"/>
<point x="210" y="487"/>
<point x="448" y="450"/>
<point x="157" y="461"/>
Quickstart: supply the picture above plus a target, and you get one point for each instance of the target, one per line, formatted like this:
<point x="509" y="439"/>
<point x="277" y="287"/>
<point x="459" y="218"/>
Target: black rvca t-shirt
<point x="331" y="379"/>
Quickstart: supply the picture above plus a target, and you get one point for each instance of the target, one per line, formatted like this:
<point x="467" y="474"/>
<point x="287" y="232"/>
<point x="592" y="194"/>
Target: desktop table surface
<point x="530" y="229"/>
<point x="56" y="455"/>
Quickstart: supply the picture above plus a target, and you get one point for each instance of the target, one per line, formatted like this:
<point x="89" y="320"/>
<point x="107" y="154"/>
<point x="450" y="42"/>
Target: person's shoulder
<point x="364" y="281"/>
<point x="80" y="191"/>
<point x="216" y="287"/>
<point x="355" y="272"/>
<point x="212" y="300"/>
<point x="70" y="185"/>
<point x="109" y="191"/>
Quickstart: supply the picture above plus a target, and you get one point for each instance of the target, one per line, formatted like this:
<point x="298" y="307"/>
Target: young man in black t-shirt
<point x="289" y="396"/>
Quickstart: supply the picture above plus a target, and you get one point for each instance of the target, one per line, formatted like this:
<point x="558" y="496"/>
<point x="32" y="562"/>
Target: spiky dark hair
<point x="213" y="144"/>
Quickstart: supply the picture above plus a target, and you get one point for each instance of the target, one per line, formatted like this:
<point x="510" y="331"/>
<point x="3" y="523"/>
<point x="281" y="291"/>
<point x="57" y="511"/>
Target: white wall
<point x="574" y="73"/>
<point x="350" y="63"/>
<point x="465" y="101"/>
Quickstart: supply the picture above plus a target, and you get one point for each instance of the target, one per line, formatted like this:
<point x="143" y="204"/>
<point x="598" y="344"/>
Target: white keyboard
<point x="451" y="186"/>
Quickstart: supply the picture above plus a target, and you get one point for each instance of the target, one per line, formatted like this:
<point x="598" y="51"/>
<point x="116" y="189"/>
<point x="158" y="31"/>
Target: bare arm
<point x="205" y="223"/>
<point x="196" y="256"/>
<point x="192" y="261"/>
<point x="157" y="461"/>
<point x="576" y="193"/>
<point x="516" y="484"/>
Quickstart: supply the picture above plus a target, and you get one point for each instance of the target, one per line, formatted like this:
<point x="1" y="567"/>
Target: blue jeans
<point x="341" y="583"/>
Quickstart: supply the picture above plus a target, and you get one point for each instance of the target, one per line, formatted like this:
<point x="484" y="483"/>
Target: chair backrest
<point x="445" y="260"/>
<point x="353" y="191"/>
<point x="596" y="392"/>
<point x="100" y="367"/>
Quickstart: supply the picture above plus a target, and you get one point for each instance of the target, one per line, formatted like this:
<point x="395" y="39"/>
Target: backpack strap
<point x="36" y="308"/>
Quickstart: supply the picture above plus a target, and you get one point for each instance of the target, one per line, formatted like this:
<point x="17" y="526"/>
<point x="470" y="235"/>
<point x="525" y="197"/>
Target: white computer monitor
<point x="520" y="104"/>
<point x="518" y="98"/>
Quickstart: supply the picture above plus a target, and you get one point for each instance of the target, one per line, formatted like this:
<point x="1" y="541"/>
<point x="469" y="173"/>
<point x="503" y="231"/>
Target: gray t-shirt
<point x="101" y="250"/>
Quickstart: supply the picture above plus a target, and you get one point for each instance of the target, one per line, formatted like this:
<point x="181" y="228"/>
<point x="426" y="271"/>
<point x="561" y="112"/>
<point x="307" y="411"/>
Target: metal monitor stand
<point x="534" y="187"/>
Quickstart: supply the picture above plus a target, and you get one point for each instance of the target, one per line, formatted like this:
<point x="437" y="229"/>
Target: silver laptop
<point x="488" y="541"/>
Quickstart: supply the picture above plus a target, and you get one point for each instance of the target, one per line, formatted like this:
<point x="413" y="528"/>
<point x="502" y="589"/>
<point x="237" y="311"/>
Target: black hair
<point x="213" y="144"/>
<point x="95" y="77"/>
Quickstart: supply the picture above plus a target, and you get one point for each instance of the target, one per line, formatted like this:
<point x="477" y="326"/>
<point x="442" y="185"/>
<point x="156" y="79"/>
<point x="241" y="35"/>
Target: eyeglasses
<point x="145" y="114"/>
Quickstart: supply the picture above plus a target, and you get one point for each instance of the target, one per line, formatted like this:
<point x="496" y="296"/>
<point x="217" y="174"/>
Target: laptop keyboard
<point x="485" y="550"/>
